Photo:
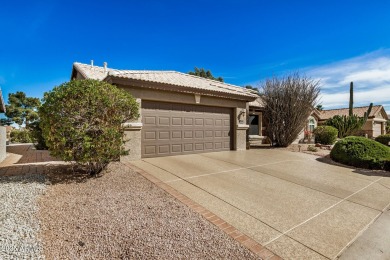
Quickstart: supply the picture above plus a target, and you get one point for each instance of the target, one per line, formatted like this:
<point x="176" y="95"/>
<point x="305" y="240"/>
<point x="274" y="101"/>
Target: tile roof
<point x="359" y="111"/>
<point x="166" y="77"/>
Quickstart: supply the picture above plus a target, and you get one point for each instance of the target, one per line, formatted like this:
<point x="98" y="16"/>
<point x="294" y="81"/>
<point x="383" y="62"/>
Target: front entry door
<point x="254" y="125"/>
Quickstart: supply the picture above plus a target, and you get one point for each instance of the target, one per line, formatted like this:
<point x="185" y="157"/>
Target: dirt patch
<point x="122" y="215"/>
<point x="304" y="148"/>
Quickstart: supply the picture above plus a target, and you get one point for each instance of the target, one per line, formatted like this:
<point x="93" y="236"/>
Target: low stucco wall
<point x="3" y="140"/>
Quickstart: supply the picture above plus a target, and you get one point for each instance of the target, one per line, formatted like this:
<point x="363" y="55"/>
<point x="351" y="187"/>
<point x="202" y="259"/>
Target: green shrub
<point x="311" y="148"/>
<point x="81" y="121"/>
<point x="326" y="134"/>
<point x="361" y="152"/>
<point x="37" y="136"/>
<point x="21" y="136"/>
<point x="384" y="139"/>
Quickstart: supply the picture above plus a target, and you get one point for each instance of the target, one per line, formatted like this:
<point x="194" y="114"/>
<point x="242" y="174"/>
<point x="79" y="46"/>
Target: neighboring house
<point x="376" y="122"/>
<point x="179" y="113"/>
<point x="3" y="132"/>
<point x="257" y="132"/>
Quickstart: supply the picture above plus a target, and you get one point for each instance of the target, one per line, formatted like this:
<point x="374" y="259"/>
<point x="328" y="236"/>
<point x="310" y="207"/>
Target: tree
<point x="388" y="126"/>
<point x="5" y="121"/>
<point x="288" y="103"/>
<point x="319" y="107"/>
<point x="22" y="109"/>
<point x="81" y="121"/>
<point x="204" y="74"/>
<point x="252" y="88"/>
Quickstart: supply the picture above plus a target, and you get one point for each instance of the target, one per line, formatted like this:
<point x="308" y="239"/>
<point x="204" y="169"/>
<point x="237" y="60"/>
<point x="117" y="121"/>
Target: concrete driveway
<point x="291" y="203"/>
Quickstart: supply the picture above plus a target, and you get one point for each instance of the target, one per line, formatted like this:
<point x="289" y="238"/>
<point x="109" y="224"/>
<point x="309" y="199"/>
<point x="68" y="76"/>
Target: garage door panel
<point x="188" y="134"/>
<point x="150" y="135"/>
<point x="208" y="122"/>
<point x="163" y="135"/>
<point x="176" y="134"/>
<point x="217" y="133"/>
<point x="199" y="146"/>
<point x="188" y="147"/>
<point x="199" y="134"/>
<point x="188" y="121"/>
<point x="176" y="148"/>
<point x="171" y="129"/>
<point x="218" y="145"/>
<point x="176" y="121"/>
<point x="208" y="146"/>
<point x="149" y="149"/>
<point x="208" y="133"/>
<point x="199" y="121"/>
<point x="163" y="149"/>
<point x="163" y="121"/>
<point x="149" y="120"/>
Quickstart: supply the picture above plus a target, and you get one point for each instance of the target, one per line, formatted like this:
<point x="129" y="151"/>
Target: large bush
<point x="20" y="136"/>
<point x="361" y="152"/>
<point x="288" y="102"/>
<point x="37" y="135"/>
<point x="326" y="134"/>
<point x="383" y="139"/>
<point x="81" y="121"/>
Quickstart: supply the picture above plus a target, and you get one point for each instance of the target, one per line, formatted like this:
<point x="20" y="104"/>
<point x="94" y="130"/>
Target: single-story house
<point x="179" y="113"/>
<point x="257" y="133"/>
<point x="3" y="132"/>
<point x="376" y="122"/>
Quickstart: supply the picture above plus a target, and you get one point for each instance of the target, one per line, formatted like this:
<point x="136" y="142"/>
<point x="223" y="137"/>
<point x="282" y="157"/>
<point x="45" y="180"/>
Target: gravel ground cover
<point x="19" y="226"/>
<point x="122" y="215"/>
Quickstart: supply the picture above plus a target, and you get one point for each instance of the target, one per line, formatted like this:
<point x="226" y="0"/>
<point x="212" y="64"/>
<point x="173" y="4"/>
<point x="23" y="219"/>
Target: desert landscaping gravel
<point x="19" y="226"/>
<point x="121" y="215"/>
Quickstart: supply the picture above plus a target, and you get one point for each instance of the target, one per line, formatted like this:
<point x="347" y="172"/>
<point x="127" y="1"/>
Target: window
<point x="312" y="124"/>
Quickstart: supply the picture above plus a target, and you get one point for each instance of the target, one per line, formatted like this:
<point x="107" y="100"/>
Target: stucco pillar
<point x="133" y="142"/>
<point x="133" y="138"/>
<point x="3" y="141"/>
<point x="241" y="128"/>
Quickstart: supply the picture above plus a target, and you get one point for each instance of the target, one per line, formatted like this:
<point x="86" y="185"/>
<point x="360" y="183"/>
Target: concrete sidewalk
<point x="374" y="243"/>
<point x="291" y="203"/>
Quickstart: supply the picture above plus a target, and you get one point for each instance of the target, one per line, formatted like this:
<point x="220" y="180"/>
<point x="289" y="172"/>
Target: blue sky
<point x="242" y="41"/>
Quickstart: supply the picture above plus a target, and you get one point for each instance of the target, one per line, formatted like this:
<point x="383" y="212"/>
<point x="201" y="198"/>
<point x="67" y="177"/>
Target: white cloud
<point x="370" y="74"/>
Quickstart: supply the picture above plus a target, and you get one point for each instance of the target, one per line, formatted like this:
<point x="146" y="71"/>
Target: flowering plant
<point x="308" y="134"/>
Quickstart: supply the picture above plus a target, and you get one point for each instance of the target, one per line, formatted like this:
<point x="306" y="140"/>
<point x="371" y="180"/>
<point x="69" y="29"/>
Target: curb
<point x="231" y="231"/>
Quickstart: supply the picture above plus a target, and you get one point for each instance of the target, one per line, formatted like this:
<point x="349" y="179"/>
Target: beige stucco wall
<point x="133" y="134"/>
<point x="3" y="140"/>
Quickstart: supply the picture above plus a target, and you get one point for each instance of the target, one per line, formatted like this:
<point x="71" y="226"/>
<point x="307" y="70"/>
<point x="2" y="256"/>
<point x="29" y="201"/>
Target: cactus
<point x="351" y="99"/>
<point x="367" y="114"/>
<point x="349" y="125"/>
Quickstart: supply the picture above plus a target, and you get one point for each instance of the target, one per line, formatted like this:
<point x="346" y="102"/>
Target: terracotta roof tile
<point x="359" y="111"/>
<point x="165" y="77"/>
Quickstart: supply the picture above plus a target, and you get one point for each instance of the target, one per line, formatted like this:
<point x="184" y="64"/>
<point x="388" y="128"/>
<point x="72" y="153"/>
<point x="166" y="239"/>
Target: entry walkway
<point x="24" y="159"/>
